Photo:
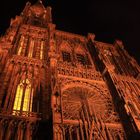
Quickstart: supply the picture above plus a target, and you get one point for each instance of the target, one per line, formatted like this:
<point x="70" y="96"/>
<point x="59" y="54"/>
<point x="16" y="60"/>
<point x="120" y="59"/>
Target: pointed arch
<point x="66" y="51"/>
<point x="28" y="97"/>
<point x="24" y="96"/>
<point x="31" y="48"/>
<point x="65" y="46"/>
<point x="18" y="97"/>
<point x="42" y="50"/>
<point x="21" y="43"/>
<point x="80" y="50"/>
<point x="82" y="55"/>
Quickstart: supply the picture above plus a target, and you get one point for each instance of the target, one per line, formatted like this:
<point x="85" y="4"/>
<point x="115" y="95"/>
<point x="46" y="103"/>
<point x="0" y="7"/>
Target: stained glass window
<point x="18" y="98"/>
<point x="41" y="49"/>
<point x="27" y="93"/>
<point x="21" y="42"/>
<point x="24" y="96"/>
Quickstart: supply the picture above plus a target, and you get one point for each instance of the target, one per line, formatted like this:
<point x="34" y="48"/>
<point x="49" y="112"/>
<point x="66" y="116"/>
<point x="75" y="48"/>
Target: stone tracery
<point x="74" y="100"/>
<point x="80" y="85"/>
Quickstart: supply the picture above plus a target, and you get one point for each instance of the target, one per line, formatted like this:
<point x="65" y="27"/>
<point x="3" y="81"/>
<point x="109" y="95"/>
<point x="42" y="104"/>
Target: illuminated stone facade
<point x="62" y="86"/>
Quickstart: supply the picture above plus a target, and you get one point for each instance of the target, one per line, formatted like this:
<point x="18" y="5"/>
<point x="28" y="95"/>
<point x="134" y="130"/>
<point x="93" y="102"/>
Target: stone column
<point x="30" y="131"/>
<point x="11" y="130"/>
<point x="3" y="125"/>
<point x="21" y="130"/>
<point x="58" y="133"/>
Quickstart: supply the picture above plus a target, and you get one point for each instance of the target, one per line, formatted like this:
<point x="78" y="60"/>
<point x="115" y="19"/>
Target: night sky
<point x="107" y="19"/>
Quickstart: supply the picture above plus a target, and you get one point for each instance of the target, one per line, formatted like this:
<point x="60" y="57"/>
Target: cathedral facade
<point x="63" y="86"/>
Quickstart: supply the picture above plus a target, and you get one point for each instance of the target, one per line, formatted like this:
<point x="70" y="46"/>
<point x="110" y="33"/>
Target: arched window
<point x="41" y="50"/>
<point x="31" y="48"/>
<point x="66" y="51"/>
<point x="21" y="42"/>
<point x="81" y="56"/>
<point x="18" y="98"/>
<point x="66" y="56"/>
<point x="24" y="97"/>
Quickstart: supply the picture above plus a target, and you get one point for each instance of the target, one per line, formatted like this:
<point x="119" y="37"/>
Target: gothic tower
<point x="63" y="86"/>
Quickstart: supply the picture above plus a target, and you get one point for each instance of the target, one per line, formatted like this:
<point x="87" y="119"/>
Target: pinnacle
<point x="39" y="2"/>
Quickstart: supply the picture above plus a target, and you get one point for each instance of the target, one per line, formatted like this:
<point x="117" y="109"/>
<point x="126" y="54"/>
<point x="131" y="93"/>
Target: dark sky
<point x="108" y="19"/>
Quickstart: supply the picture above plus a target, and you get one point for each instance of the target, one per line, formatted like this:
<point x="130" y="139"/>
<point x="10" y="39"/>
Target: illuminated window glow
<point x="31" y="100"/>
<point x="41" y="49"/>
<point x="24" y="96"/>
<point x="27" y="97"/>
<point x="18" y="98"/>
<point x="21" y="45"/>
<point x="31" y="48"/>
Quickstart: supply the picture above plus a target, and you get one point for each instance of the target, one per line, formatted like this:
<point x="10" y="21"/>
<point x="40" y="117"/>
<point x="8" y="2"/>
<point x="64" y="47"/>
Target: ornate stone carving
<point x="75" y="100"/>
<point x="81" y="89"/>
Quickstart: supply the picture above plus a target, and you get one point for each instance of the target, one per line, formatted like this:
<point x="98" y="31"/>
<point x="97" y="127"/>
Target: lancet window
<point x="24" y="97"/>
<point x="31" y="48"/>
<point x="81" y="56"/>
<point x="21" y="42"/>
<point x="42" y="50"/>
<point x="66" y="52"/>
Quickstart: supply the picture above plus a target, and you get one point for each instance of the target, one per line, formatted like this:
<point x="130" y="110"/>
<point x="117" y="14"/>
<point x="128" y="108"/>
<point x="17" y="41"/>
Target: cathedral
<point x="56" y="85"/>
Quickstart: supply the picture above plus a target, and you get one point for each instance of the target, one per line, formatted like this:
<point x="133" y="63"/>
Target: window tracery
<point x="81" y="59"/>
<point x="81" y="56"/>
<point x="18" y="98"/>
<point x="24" y="97"/>
<point x="66" y="56"/>
<point x="65" y="51"/>
<point x="76" y="102"/>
